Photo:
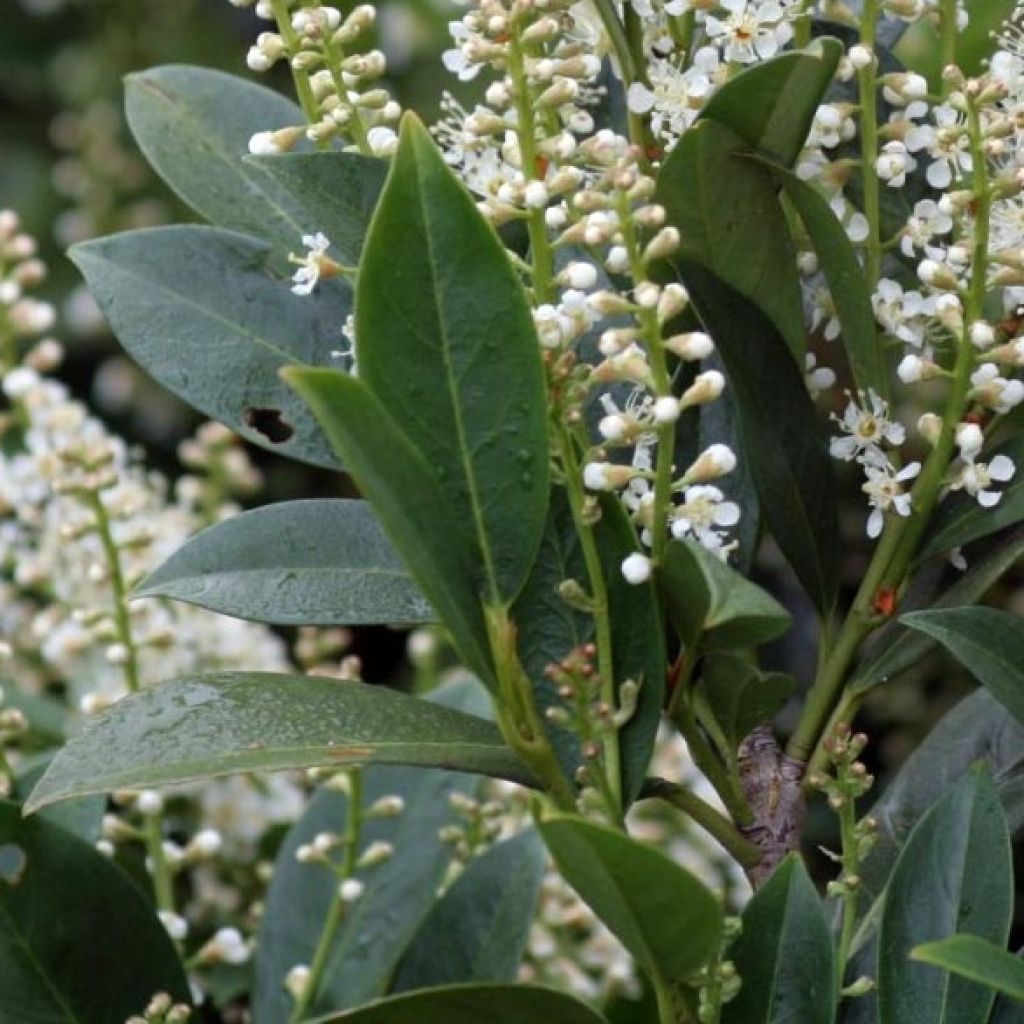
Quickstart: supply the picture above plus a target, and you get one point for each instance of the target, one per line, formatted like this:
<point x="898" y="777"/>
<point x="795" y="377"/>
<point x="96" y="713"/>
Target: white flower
<point x="947" y="143"/>
<point x="894" y="163"/>
<point x="884" y="488"/>
<point x="976" y="478"/>
<point x="996" y="392"/>
<point x="751" y="30"/>
<point x="927" y="222"/>
<point x="702" y="514"/>
<point x="866" y="428"/>
<point x="311" y="266"/>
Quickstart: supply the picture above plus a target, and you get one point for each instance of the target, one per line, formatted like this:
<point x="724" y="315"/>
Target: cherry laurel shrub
<point x="562" y="343"/>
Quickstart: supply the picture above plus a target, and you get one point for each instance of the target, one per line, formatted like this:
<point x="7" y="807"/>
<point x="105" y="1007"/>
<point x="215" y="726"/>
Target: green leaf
<point x="784" y="954"/>
<point x="703" y="596"/>
<point x="638" y="643"/>
<point x="200" y="310"/>
<point x="209" y="725"/>
<point x="976" y="728"/>
<point x="731" y="223"/>
<point x="478" y="930"/>
<point x="846" y="282"/>
<point x="920" y="48"/>
<point x="78" y="942"/>
<point x="771" y="106"/>
<point x="194" y="125"/>
<point x="901" y="648"/>
<point x="474" y="1004"/>
<point x="297" y="563"/>
<point x="333" y="193"/>
<point x="377" y="928"/>
<point x="663" y="916"/>
<point x="988" y="642"/>
<point x="954" y="875"/>
<point x="788" y="455"/>
<point x="961" y="520"/>
<point x="974" y="958"/>
<point x="740" y="696"/>
<point x="548" y="628"/>
<point x="447" y="343"/>
<point x="426" y="532"/>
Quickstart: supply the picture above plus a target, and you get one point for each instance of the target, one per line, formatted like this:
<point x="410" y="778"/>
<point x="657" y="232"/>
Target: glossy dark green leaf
<point x="194" y="125"/>
<point x="920" y="48"/>
<point x="398" y="896"/>
<point x="703" y="596"/>
<point x="954" y="875"/>
<point x="788" y="455"/>
<point x="447" y="343"/>
<point x="784" y="954"/>
<point x="308" y="563"/>
<point x="978" y="728"/>
<point x="547" y="627"/>
<point x="200" y="310"/>
<point x="426" y="532"/>
<point x="961" y="520"/>
<point x="638" y="643"/>
<point x="474" y="1004"/>
<point x="203" y="726"/>
<point x="989" y="643"/>
<point x="731" y="224"/>
<point x="971" y="957"/>
<point x="846" y="282"/>
<point x="771" y="105"/>
<point x="740" y="696"/>
<point x="478" y="930"/>
<point x="81" y="817"/>
<point x="79" y="944"/>
<point x="333" y="193"/>
<point x="667" y="920"/>
<point x="903" y="648"/>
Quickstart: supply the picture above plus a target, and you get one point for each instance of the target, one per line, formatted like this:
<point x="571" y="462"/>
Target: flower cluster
<point x="336" y="78"/>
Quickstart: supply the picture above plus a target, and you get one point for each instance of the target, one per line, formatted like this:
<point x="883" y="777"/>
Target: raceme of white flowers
<point x="531" y="152"/>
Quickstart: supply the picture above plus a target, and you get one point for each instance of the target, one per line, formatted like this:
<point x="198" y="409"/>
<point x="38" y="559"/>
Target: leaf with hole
<point x="201" y="311"/>
<point x="54" y="963"/>
<point x="447" y="344"/>
<point x="306" y="563"/>
<point x="204" y="726"/>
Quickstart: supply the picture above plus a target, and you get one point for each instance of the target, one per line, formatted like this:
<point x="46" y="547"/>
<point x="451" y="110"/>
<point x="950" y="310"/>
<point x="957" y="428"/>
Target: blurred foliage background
<point x="69" y="167"/>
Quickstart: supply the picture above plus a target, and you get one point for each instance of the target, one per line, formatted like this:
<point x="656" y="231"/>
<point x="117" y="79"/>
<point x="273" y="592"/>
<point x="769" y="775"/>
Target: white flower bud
<point x="982" y="334"/>
<point x="860" y="57"/>
<point x="715" y="462"/>
<point x="929" y="426"/>
<point x="175" y="925"/>
<point x="706" y="388"/>
<point x="667" y="409"/>
<point x="636" y="569"/>
<point x="149" y="803"/>
<point x="970" y="439"/>
<point x="582" y="276"/>
<point x="350" y="890"/>
<point x="535" y="195"/>
<point x="297" y="980"/>
<point x="691" y="347"/>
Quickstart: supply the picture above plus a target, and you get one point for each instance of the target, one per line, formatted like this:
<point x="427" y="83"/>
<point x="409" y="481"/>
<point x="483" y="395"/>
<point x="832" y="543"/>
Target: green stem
<point x="163" y="885"/>
<point x="947" y="22"/>
<point x="802" y="31"/>
<point x="303" y="89"/>
<point x="334" y="56"/>
<point x="868" y="86"/>
<point x="851" y="866"/>
<point x="707" y="817"/>
<point x="665" y="999"/>
<point x="900" y="542"/>
<point x="336" y="910"/>
<point x="600" y="607"/>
